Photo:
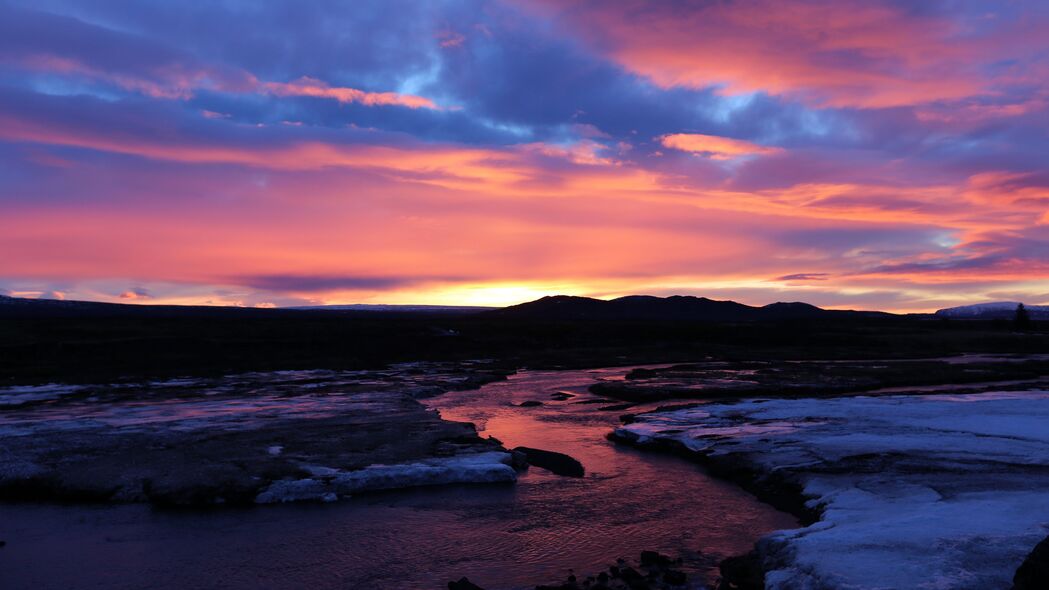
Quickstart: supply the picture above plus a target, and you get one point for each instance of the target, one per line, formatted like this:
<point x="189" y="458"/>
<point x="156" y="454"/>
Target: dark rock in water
<point x="518" y="460"/>
<point x="649" y="558"/>
<point x="558" y="463"/>
<point x="675" y="578"/>
<point x="530" y="404"/>
<point x="463" y="584"/>
<point x="631" y="575"/>
<point x="3" y="543"/>
<point x="654" y="573"/>
<point x="1034" y="572"/>
<point x="742" y="572"/>
<point x="561" y="396"/>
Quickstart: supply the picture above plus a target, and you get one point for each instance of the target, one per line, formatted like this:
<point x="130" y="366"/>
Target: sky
<point x="873" y="154"/>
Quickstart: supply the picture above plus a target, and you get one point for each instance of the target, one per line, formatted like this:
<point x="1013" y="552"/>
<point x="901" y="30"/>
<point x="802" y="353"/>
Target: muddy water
<point x="500" y="536"/>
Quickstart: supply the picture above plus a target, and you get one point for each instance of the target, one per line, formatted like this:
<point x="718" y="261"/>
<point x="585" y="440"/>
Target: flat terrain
<point x="71" y="346"/>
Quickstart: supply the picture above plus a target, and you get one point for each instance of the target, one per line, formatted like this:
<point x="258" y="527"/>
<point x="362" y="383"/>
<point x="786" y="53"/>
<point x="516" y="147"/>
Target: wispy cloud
<point x="712" y="146"/>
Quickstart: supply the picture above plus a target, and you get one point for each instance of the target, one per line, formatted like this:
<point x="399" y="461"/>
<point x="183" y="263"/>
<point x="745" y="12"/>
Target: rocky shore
<point x="653" y="571"/>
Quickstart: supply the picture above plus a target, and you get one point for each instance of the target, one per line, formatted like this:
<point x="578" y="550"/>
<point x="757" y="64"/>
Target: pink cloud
<point x="307" y="86"/>
<point x="828" y="52"/>
<point x="714" y="147"/>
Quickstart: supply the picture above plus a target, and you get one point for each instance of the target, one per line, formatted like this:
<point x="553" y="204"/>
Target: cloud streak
<point x="714" y="147"/>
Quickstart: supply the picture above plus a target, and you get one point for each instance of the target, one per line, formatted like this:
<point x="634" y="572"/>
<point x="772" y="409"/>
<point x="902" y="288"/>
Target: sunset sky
<point x="849" y="153"/>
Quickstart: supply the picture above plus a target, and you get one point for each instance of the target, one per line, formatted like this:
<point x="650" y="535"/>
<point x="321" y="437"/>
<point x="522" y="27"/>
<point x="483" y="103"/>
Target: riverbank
<point x="716" y="379"/>
<point x="942" y="491"/>
<point x="242" y="439"/>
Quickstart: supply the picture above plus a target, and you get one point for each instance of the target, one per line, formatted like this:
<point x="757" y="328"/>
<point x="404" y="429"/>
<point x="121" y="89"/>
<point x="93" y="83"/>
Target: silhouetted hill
<point x="677" y="307"/>
<point x="17" y="307"/>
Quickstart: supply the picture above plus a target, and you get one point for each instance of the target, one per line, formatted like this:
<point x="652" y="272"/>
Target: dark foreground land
<point x="104" y="342"/>
<point x="240" y="441"/>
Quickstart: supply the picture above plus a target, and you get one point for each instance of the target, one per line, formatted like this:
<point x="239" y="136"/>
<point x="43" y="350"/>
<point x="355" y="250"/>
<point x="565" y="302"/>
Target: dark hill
<point x="677" y="307"/>
<point x="17" y="307"/>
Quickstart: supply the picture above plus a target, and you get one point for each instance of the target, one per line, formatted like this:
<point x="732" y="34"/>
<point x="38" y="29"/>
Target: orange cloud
<point x="307" y="86"/>
<point x="715" y="147"/>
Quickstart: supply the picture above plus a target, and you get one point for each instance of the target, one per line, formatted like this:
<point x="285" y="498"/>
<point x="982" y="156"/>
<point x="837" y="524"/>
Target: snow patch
<point x="328" y="483"/>
<point x="923" y="492"/>
<point x="18" y="395"/>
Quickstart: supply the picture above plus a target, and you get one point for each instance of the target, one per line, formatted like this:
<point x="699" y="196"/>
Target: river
<point x="500" y="536"/>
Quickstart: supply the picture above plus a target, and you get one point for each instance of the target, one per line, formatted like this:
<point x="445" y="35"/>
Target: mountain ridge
<point x="674" y="307"/>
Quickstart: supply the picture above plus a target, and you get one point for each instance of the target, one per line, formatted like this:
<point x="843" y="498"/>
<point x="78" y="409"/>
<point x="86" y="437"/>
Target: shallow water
<point x="500" y="536"/>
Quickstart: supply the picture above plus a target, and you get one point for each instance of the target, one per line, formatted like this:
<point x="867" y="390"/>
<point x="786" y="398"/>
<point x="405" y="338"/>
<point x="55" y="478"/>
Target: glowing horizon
<point x="853" y="155"/>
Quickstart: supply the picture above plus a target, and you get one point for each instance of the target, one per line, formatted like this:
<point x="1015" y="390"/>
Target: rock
<point x="653" y="573"/>
<point x="518" y="460"/>
<point x="561" y="396"/>
<point x="530" y="403"/>
<point x="464" y="583"/>
<point x="650" y="558"/>
<point x="1034" y="572"/>
<point x="631" y="575"/>
<point x="3" y="543"/>
<point x="742" y="572"/>
<point x="675" y="578"/>
<point x="558" y="463"/>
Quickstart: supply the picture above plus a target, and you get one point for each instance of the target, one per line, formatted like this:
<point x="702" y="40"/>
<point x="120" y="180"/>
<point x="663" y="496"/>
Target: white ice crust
<point x="922" y="492"/>
<point x="327" y="484"/>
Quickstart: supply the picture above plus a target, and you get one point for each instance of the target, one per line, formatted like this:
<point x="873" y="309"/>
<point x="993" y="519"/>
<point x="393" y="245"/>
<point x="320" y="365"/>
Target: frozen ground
<point x="720" y="379"/>
<point x="259" y="436"/>
<point x="922" y="492"/>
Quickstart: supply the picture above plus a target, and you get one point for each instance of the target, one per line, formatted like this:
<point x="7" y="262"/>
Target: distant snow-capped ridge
<point x="994" y="310"/>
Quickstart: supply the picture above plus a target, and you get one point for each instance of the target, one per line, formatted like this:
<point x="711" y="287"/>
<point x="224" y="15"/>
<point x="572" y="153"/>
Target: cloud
<point x="136" y="293"/>
<point x="714" y="147"/>
<point x="829" y="52"/>
<point x="295" y="283"/>
<point x="804" y="276"/>
<point x="307" y="86"/>
<point x="138" y="64"/>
